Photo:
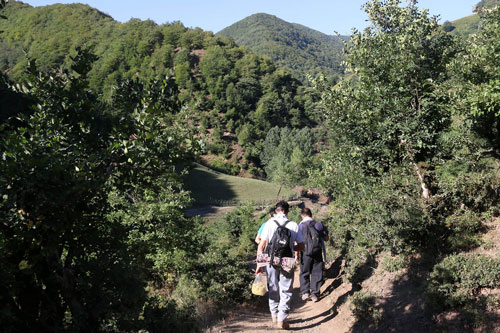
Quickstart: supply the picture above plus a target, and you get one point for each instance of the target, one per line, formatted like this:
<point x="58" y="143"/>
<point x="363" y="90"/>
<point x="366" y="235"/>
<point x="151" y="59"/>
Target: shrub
<point x="464" y="226"/>
<point x="363" y="307"/>
<point x="235" y="232"/>
<point x="394" y="263"/>
<point x="458" y="279"/>
<point x="371" y="216"/>
<point x="224" y="166"/>
<point x="468" y="184"/>
<point x="224" y="278"/>
<point x="221" y="274"/>
<point x="163" y="315"/>
<point x="216" y="147"/>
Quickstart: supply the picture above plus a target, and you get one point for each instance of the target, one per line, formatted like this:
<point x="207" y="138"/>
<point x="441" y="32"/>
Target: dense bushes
<point x="363" y="307"/>
<point x="372" y="216"/>
<point x="93" y="228"/>
<point x="221" y="274"/>
<point x="458" y="280"/>
<point x="224" y="166"/>
<point x="412" y="160"/>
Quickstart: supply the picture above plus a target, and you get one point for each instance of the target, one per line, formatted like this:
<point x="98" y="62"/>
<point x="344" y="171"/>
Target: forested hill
<point x="48" y="33"/>
<point x="235" y="95"/>
<point x="294" y="46"/>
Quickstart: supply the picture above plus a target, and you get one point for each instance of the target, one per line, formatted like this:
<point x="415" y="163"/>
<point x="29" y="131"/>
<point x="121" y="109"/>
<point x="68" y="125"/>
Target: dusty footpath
<point x="326" y="315"/>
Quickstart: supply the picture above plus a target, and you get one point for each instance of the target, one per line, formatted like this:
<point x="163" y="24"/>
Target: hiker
<point x="280" y="281"/>
<point x="314" y="234"/>
<point x="259" y="232"/>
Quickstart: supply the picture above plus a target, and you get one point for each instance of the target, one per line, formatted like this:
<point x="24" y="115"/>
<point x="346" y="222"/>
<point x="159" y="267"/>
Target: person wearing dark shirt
<point x="311" y="266"/>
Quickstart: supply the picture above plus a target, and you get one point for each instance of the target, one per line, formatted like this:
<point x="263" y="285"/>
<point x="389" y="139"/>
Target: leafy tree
<point x="478" y="83"/>
<point x="286" y="154"/>
<point x="85" y="210"/>
<point x="390" y="111"/>
<point x="385" y="123"/>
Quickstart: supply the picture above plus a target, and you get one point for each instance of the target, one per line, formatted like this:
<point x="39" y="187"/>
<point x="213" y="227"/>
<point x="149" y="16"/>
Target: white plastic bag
<point x="259" y="285"/>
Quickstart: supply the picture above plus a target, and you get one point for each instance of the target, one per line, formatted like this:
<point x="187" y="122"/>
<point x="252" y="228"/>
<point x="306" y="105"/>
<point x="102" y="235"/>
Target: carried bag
<point x="259" y="285"/>
<point x="312" y="240"/>
<point x="287" y="263"/>
<point x="280" y="243"/>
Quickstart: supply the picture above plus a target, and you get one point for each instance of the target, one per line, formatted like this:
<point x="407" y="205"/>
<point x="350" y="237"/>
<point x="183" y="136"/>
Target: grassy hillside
<point x="468" y="25"/>
<point x="212" y="187"/>
<point x="294" y="46"/>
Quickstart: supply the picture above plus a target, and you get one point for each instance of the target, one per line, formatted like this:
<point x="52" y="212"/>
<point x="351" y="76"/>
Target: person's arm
<point x="257" y="239"/>
<point x="326" y="235"/>
<point x="260" y="249"/>
<point x="299" y="241"/>
<point x="298" y="246"/>
<point x="262" y="246"/>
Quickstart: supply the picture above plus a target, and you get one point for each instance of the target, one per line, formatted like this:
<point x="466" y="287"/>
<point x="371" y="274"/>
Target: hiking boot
<point x="305" y="297"/>
<point x="283" y="325"/>
<point x="314" y="298"/>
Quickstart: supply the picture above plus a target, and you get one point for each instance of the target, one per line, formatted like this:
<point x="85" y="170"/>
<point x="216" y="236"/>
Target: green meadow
<point x="209" y="187"/>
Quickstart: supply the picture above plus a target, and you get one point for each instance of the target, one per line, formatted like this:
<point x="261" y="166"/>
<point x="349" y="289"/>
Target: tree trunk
<point x="426" y="194"/>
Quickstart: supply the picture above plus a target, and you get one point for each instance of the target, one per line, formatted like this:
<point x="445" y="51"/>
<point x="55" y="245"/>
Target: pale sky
<point x="214" y="15"/>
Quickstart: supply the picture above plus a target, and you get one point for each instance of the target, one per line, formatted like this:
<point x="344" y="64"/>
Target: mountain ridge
<point x="294" y="46"/>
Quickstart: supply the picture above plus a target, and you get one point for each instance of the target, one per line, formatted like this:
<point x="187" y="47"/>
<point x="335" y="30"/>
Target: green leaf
<point x="24" y="265"/>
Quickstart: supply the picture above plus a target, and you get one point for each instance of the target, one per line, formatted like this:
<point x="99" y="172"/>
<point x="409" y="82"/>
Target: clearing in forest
<point x="209" y="187"/>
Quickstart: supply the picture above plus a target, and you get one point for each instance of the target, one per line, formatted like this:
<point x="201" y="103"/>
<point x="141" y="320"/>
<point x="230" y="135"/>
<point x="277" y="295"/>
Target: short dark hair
<point x="306" y="211"/>
<point x="282" y="206"/>
<point x="272" y="210"/>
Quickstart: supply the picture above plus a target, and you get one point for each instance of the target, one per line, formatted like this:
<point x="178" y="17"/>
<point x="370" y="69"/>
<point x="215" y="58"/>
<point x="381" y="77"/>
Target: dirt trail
<point x="326" y="315"/>
<point x="399" y="302"/>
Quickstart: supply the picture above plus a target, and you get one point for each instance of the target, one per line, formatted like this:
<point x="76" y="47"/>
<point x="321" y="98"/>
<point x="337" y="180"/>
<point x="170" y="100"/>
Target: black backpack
<point x="312" y="240"/>
<point x="280" y="243"/>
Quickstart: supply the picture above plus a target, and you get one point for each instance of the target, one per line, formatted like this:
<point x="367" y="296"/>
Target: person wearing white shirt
<point x="279" y="281"/>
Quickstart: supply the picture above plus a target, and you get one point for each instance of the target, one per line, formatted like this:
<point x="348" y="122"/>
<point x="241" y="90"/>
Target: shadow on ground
<point x="201" y="210"/>
<point x="255" y="312"/>
<point x="334" y="271"/>
<point x="478" y="320"/>
<point x="404" y="309"/>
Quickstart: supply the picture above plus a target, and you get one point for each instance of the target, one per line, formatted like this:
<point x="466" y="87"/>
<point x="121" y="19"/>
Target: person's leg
<point x="305" y="273"/>
<point x="273" y="286"/>
<point x="316" y="275"/>
<point x="286" y="285"/>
